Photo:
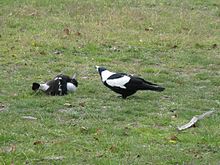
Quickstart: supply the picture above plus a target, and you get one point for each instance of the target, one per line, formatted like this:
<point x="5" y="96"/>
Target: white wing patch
<point x="56" y="78"/>
<point x="118" y="82"/>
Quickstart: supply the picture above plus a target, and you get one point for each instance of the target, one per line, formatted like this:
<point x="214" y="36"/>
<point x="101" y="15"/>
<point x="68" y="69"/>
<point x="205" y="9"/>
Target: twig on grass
<point x="29" y="117"/>
<point x="194" y="120"/>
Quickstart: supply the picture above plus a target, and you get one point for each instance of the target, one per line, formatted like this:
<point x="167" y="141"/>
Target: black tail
<point x="156" y="88"/>
<point x="153" y="88"/>
<point x="35" y="86"/>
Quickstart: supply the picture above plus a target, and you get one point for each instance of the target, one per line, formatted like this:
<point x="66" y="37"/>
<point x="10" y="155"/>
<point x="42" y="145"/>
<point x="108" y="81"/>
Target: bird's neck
<point x="105" y="75"/>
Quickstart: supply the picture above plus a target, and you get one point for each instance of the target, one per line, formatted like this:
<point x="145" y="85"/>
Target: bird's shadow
<point x="37" y="93"/>
<point x="130" y="98"/>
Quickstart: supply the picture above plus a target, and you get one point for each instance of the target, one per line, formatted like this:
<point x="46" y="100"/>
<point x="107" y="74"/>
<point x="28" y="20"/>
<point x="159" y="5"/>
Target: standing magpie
<point x="125" y="84"/>
<point x="59" y="85"/>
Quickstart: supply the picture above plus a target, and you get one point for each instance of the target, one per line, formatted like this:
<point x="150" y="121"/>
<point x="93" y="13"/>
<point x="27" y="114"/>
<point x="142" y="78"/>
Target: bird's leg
<point x="121" y="96"/>
<point x="124" y="96"/>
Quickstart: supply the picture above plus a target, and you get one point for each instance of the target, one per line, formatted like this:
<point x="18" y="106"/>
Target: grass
<point x="175" y="44"/>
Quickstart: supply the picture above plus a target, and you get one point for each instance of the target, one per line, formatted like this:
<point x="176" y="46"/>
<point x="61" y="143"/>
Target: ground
<point x="173" y="43"/>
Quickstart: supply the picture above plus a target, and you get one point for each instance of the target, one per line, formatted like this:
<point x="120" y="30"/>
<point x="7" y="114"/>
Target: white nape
<point x="43" y="87"/>
<point x="106" y="74"/>
<point x="119" y="82"/>
<point x="71" y="87"/>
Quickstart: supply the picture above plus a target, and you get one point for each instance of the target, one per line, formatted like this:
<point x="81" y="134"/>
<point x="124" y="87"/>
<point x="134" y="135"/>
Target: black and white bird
<point x="125" y="84"/>
<point x="59" y="85"/>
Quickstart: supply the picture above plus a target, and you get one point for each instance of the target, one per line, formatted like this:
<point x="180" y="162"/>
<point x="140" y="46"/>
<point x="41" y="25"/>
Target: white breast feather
<point x="71" y="87"/>
<point x="118" y="82"/>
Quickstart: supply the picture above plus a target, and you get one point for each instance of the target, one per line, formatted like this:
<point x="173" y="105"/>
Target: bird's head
<point x="100" y="69"/>
<point x="73" y="80"/>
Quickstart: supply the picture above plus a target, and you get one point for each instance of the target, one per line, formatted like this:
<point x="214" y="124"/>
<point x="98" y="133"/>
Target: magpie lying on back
<point x="59" y="85"/>
<point x="125" y="84"/>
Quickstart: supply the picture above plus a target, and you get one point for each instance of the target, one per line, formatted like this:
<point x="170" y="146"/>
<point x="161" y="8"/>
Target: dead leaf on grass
<point x="99" y="154"/>
<point x="96" y="135"/>
<point x="166" y="97"/>
<point x="174" y="46"/>
<point x="173" y="139"/>
<point x="78" y="33"/>
<point x="38" y="142"/>
<point x="214" y="46"/>
<point x="29" y="117"/>
<point x="68" y="104"/>
<point x="98" y="131"/>
<point x="66" y="31"/>
<point x="54" y="158"/>
<point x="125" y="133"/>
<point x="82" y="104"/>
<point x="63" y="110"/>
<point x="12" y="162"/>
<point x="42" y="52"/>
<point x="2" y="107"/>
<point x="138" y="156"/>
<point x="113" y="148"/>
<point x="96" y="138"/>
<point x="174" y="116"/>
<point x="83" y="129"/>
<point x="85" y="77"/>
<point x="9" y="149"/>
<point x="58" y="52"/>
<point x="114" y="48"/>
<point x="148" y="29"/>
<point x="35" y="13"/>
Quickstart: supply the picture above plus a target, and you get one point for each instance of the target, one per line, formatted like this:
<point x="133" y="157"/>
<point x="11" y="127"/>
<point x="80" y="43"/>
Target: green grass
<point x="172" y="43"/>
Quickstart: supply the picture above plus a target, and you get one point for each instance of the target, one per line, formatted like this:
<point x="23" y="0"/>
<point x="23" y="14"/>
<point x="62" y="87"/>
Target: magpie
<point x="125" y="84"/>
<point x="59" y="85"/>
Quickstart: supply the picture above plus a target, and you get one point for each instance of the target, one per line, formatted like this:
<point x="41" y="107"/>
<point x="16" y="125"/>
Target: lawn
<point x="173" y="43"/>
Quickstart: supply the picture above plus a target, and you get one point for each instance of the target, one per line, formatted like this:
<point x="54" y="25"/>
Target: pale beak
<point x="97" y="67"/>
<point x="74" y="76"/>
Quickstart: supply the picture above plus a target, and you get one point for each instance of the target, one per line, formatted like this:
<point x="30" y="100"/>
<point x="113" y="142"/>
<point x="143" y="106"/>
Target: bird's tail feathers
<point x="35" y="86"/>
<point x="158" y="88"/>
<point x="154" y="88"/>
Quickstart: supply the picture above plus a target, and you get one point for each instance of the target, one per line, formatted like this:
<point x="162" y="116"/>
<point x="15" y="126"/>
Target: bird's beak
<point x="74" y="76"/>
<point x="97" y="67"/>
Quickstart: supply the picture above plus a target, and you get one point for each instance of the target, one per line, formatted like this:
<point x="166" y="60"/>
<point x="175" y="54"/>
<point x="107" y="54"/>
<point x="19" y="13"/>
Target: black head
<point x="100" y="69"/>
<point x="74" y="81"/>
<point x="35" y="86"/>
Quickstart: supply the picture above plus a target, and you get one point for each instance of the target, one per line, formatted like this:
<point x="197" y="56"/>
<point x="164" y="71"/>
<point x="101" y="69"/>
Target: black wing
<point x="117" y="75"/>
<point x="141" y="84"/>
<point x="142" y="80"/>
<point x="64" y="77"/>
<point x="57" y="87"/>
